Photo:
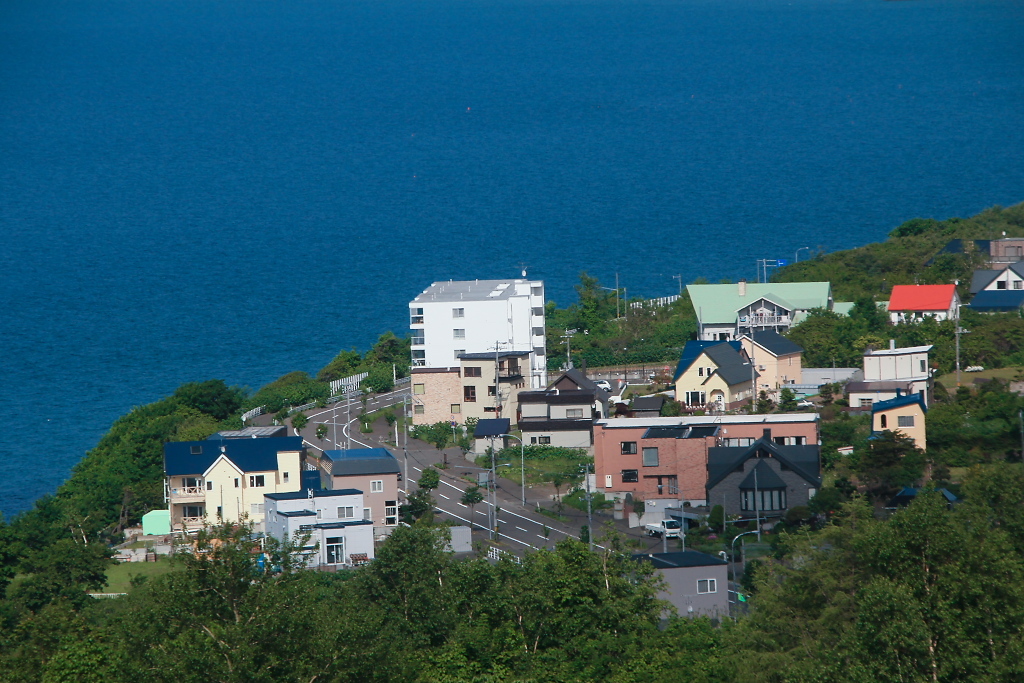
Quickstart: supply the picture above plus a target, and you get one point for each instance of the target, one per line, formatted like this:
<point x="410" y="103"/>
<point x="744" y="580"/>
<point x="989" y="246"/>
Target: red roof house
<point x="914" y="302"/>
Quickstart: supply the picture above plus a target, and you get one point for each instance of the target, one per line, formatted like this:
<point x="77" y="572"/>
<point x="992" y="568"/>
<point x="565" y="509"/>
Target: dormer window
<point x="196" y="450"/>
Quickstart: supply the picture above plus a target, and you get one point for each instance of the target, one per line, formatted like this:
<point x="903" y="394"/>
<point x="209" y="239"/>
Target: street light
<point x="522" y="464"/>
<point x="796" y="256"/>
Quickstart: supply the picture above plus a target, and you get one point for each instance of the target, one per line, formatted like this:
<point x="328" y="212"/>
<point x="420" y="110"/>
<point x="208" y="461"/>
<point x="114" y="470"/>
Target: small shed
<point x="156" y="523"/>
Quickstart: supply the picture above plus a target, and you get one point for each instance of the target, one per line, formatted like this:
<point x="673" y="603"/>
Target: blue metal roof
<point x="493" y="426"/>
<point x="898" y="402"/>
<point x="692" y="351"/>
<point x="998" y="300"/>
<point x="359" y="461"/>
<point x="317" y="493"/>
<point x="249" y="455"/>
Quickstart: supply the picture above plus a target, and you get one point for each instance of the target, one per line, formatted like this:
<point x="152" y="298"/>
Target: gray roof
<point x="982" y="278"/>
<point x="473" y="290"/>
<point x="685" y="558"/>
<point x="252" y="432"/>
<point x="762" y="477"/>
<point x="581" y="380"/>
<point x="730" y="363"/>
<point x="358" y="461"/>
<point x="775" y="343"/>
<point x="681" y="432"/>
<point x="648" y="403"/>
<point x="804" y="460"/>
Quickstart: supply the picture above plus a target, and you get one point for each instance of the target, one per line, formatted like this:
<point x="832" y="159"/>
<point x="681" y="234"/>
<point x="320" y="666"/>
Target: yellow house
<point x="903" y="414"/>
<point x="777" y="359"/>
<point x="713" y="375"/>
<point x="225" y="479"/>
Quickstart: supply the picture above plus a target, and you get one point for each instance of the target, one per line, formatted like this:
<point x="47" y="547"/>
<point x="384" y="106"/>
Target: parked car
<point x="670" y="528"/>
<point x="603" y="384"/>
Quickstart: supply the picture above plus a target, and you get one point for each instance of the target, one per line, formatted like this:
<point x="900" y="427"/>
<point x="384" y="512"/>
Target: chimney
<point x="767" y="434"/>
<point x="743" y="287"/>
<point x="892" y="344"/>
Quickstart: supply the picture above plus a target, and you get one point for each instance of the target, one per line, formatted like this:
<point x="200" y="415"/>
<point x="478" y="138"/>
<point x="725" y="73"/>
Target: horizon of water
<point x="235" y="190"/>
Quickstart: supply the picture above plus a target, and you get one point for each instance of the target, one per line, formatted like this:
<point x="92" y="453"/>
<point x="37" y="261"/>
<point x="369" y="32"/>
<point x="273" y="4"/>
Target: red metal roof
<point x="921" y="297"/>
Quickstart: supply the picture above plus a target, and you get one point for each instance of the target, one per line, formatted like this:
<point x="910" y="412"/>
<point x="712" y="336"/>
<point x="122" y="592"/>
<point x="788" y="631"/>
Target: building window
<point x="418" y="409"/>
<point x="418" y="338"/>
<point x="255" y="509"/>
<point x="473" y="372"/>
<point x="335" y="547"/>
<point x="419" y="388"/>
<point x="284" y="477"/>
<point x="490" y="409"/>
<point x="390" y="512"/>
<point x="628" y="447"/>
<point x="630" y="476"/>
<point x="458" y="312"/>
<point x="458" y="334"/>
<point x="538" y="310"/>
<point x="533" y="439"/>
<point x="209" y="485"/>
<point x="236" y="482"/>
<point x="607" y="481"/>
<point x="367" y="514"/>
<point x="866" y="402"/>
<point x="196" y="450"/>
<point x="695" y="398"/>
<point x="1001" y="285"/>
<point x="1017" y="284"/>
<point x="700" y="372"/>
<point x="192" y="511"/>
<point x="319" y="514"/>
<point x="419" y="357"/>
<point x="256" y="481"/>
<point x="346" y="512"/>
<point x="416" y="316"/>
<point x="377" y="486"/>
<point x="538" y="332"/>
<point x="924" y="369"/>
<point x="766" y="500"/>
<point x="469" y="394"/>
<point x="544" y="440"/>
<point x="456" y="408"/>
<point x="707" y="586"/>
<point x="905" y="420"/>
<point x="573" y="413"/>
<point x="884" y="421"/>
<point x="651" y="457"/>
<point x="490" y="390"/>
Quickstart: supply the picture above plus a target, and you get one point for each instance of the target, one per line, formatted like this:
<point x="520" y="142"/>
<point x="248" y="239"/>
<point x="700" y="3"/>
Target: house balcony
<point x="189" y="523"/>
<point x="765" y="321"/>
<point x="187" y="494"/>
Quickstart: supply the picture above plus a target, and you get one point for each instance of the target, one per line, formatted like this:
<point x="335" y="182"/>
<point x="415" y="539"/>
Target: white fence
<point x="347" y="384"/>
<point x="499" y="554"/>
<point x="248" y="415"/>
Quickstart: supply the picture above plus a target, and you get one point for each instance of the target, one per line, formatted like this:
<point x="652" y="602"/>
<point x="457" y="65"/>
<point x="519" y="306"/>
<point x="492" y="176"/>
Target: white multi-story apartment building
<point x="473" y="316"/>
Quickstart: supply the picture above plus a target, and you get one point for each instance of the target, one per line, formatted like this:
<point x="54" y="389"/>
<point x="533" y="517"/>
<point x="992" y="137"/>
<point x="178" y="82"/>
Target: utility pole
<point x="590" y="520"/>
<point x="680" y="278"/>
<point x="616" y="296"/>
<point x="958" y="354"/>
<point x="568" y="351"/>
<point x="1020" y="416"/>
<point x="757" y="512"/>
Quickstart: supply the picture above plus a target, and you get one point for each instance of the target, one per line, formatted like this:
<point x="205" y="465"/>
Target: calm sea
<point x="237" y="189"/>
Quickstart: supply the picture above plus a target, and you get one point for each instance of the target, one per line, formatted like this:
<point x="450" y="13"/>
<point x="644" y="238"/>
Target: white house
<point x="338" y="535"/>
<point x="892" y="372"/>
<point x="911" y="303"/>
<point x="724" y="312"/>
<point x="224" y="480"/>
<point x="453" y="318"/>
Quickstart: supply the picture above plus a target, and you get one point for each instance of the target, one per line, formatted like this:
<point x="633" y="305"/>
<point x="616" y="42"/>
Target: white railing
<point x="759" y="320"/>
<point x="655" y="303"/>
<point x="187" y="491"/>
<point x="249" y="414"/>
<point x="347" y="384"/>
<point x="192" y="521"/>
<point x="499" y="554"/>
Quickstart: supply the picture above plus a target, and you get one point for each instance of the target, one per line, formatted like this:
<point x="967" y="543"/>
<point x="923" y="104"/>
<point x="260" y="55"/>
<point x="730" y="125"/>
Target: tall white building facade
<point x="473" y="316"/>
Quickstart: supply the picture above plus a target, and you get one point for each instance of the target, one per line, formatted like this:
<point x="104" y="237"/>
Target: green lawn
<point x="949" y="380"/>
<point x="119" y="576"/>
<point x="541" y="471"/>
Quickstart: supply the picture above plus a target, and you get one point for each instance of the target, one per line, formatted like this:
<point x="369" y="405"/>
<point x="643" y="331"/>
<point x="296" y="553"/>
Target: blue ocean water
<point x="240" y="188"/>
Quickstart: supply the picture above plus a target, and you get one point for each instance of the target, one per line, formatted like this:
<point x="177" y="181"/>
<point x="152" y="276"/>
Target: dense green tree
<point x="342" y="365"/>
<point x="787" y="400"/>
<point x="888" y="461"/>
<point x="380" y="379"/>
<point x="213" y="397"/>
<point x="430" y="479"/>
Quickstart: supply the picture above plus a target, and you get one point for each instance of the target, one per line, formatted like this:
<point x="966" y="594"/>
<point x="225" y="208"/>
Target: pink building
<point x="666" y="457"/>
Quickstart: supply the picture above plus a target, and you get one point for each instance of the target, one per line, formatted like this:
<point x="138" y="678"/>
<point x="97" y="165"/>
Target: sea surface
<point x="240" y="188"/>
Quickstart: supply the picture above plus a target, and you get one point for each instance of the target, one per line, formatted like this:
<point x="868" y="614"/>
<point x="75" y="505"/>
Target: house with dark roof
<point x="647" y="406"/>
<point x="328" y="523"/>
<point x="996" y="291"/>
<point x="696" y="584"/>
<point x="904" y="414"/>
<point x="564" y="413"/>
<point x="374" y="471"/>
<point x="912" y="303"/>
<point x="225" y="479"/>
<point x="715" y="376"/>
<point x="777" y="360"/>
<point x="763" y="480"/>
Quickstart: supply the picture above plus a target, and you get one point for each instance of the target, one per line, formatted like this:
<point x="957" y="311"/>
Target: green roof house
<point x="725" y="312"/>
